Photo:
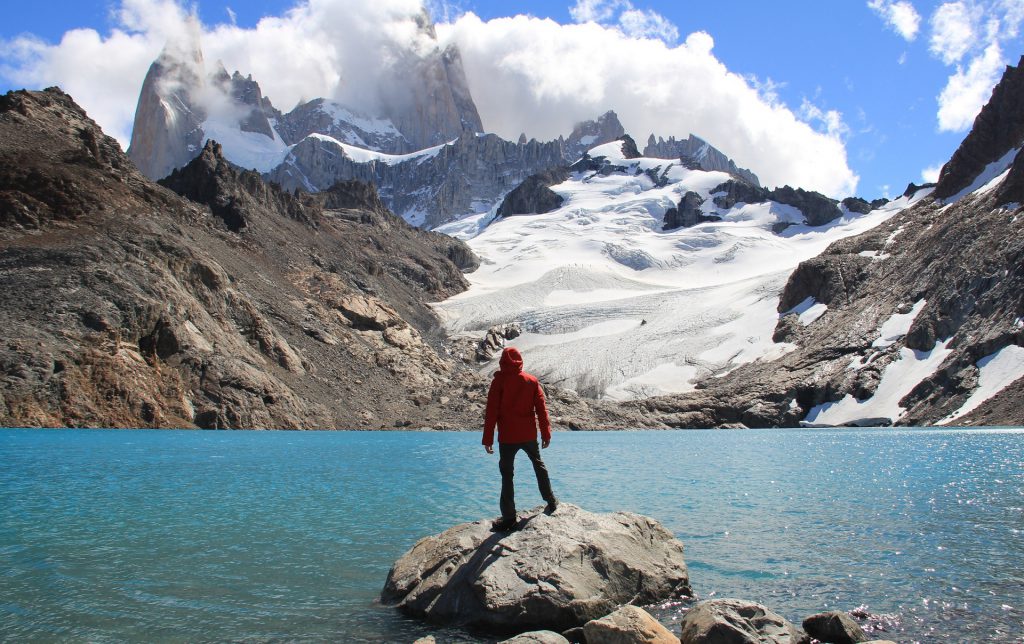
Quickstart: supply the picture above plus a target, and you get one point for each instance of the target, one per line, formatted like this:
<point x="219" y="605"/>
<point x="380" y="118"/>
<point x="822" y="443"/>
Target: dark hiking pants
<point x="506" y="463"/>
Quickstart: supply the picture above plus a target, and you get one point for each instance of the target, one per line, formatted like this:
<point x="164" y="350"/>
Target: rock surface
<point x="534" y="195"/>
<point x="737" y="621"/>
<point x="834" y="627"/>
<point x="697" y="153"/>
<point x="555" y="572"/>
<point x="537" y="637"/>
<point x="998" y="128"/>
<point x="628" y="625"/>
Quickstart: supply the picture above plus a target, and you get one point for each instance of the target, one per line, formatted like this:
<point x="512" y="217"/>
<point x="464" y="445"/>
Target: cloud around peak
<point x="526" y="74"/>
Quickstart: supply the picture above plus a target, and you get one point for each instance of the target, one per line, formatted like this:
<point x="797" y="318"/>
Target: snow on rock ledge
<point x="556" y="572"/>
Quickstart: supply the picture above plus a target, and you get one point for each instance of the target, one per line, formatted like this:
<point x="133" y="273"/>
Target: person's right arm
<point x="491" y="414"/>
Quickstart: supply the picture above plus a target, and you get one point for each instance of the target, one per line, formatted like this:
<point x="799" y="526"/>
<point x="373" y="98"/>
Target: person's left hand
<point x="545" y="444"/>
<point x="490" y="449"/>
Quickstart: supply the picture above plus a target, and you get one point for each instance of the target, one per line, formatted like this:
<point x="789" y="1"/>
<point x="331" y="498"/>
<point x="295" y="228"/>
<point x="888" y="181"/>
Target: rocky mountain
<point x="699" y="154"/>
<point x="216" y="299"/>
<point x="424" y="101"/>
<point x="423" y="146"/>
<point x="917" y="321"/>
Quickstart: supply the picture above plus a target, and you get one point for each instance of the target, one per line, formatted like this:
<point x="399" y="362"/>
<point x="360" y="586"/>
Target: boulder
<point x="494" y="340"/>
<point x="834" y="627"/>
<point x="628" y="625"/>
<point x="537" y="637"/>
<point x="737" y="621"/>
<point x="555" y="571"/>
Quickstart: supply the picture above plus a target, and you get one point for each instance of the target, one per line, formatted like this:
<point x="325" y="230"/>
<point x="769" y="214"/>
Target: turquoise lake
<point x="110" y="536"/>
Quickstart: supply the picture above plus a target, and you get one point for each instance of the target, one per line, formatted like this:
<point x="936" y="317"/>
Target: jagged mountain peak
<point x="997" y="130"/>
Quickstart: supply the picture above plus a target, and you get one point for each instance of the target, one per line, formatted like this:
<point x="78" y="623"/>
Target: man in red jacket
<point x="515" y="403"/>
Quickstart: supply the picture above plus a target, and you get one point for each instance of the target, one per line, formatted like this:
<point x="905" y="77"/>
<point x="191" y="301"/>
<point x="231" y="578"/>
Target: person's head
<point x="511" y="360"/>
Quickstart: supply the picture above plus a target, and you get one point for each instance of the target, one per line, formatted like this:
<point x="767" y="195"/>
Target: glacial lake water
<point x="110" y="536"/>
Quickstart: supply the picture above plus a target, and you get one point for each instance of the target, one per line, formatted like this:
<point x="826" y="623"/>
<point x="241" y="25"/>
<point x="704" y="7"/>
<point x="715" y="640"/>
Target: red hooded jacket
<point x="515" y="404"/>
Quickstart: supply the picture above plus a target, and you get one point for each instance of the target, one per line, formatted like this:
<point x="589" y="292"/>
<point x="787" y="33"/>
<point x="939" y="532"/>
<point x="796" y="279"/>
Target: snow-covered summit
<point x="612" y="305"/>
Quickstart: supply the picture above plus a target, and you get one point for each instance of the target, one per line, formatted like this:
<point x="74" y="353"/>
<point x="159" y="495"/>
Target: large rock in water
<point x="555" y="572"/>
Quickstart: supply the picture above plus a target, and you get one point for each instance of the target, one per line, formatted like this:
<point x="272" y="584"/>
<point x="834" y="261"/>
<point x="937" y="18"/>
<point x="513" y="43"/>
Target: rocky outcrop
<point x="494" y="340"/>
<point x="738" y="622"/>
<point x="730" y="193"/>
<point x="816" y="207"/>
<point x="857" y="205"/>
<point x="688" y="213"/>
<point x="587" y="134"/>
<point x="834" y="627"/>
<point x="629" y="624"/>
<point x="534" y="196"/>
<point x="998" y="128"/>
<point x="698" y="154"/>
<point x="556" y="571"/>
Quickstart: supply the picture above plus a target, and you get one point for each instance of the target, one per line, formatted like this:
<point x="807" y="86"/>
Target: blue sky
<point x="866" y="74"/>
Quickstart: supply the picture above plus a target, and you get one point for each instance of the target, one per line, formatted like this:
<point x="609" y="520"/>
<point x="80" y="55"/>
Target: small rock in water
<point x="537" y="637"/>
<point x="737" y="621"/>
<point x="834" y="627"/>
<point x="554" y="572"/>
<point x="629" y="624"/>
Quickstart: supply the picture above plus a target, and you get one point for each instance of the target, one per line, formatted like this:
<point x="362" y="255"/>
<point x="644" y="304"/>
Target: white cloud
<point x="635" y="23"/>
<point x="900" y="16"/>
<point x="969" y="89"/>
<point x="931" y="173"/>
<point x="828" y="121"/>
<point x="540" y="77"/>
<point x="526" y="75"/>
<point x="968" y="36"/>
<point x="954" y="26"/>
<point x="596" y="10"/>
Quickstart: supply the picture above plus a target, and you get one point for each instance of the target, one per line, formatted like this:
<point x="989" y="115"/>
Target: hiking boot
<point x="503" y="525"/>
<point x="551" y="506"/>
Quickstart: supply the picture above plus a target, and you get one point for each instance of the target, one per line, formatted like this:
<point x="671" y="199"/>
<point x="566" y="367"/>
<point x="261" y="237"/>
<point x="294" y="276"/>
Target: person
<point x="515" y="405"/>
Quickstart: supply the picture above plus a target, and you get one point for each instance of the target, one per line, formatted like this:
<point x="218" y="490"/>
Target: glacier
<point x="614" y="307"/>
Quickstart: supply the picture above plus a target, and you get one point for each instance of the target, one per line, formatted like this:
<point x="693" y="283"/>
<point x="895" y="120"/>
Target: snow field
<point x="612" y="306"/>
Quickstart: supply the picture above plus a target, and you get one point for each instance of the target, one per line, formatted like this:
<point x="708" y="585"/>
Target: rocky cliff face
<point x="474" y="171"/>
<point x="167" y="131"/>
<point x="997" y="129"/>
<point x="908" y="316"/>
<point x="241" y="306"/>
<point x="425" y="101"/>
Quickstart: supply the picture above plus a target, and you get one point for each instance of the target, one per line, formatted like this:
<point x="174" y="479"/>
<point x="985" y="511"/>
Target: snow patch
<point x="874" y="254"/>
<point x="808" y="311"/>
<point x="996" y="372"/>
<point x="362" y="155"/>
<point x="248" y="150"/>
<point x="897" y="326"/>
<point x="899" y="379"/>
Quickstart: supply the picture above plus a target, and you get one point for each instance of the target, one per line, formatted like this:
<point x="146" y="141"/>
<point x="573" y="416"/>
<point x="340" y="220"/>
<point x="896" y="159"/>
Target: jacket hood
<point x="511" y="360"/>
